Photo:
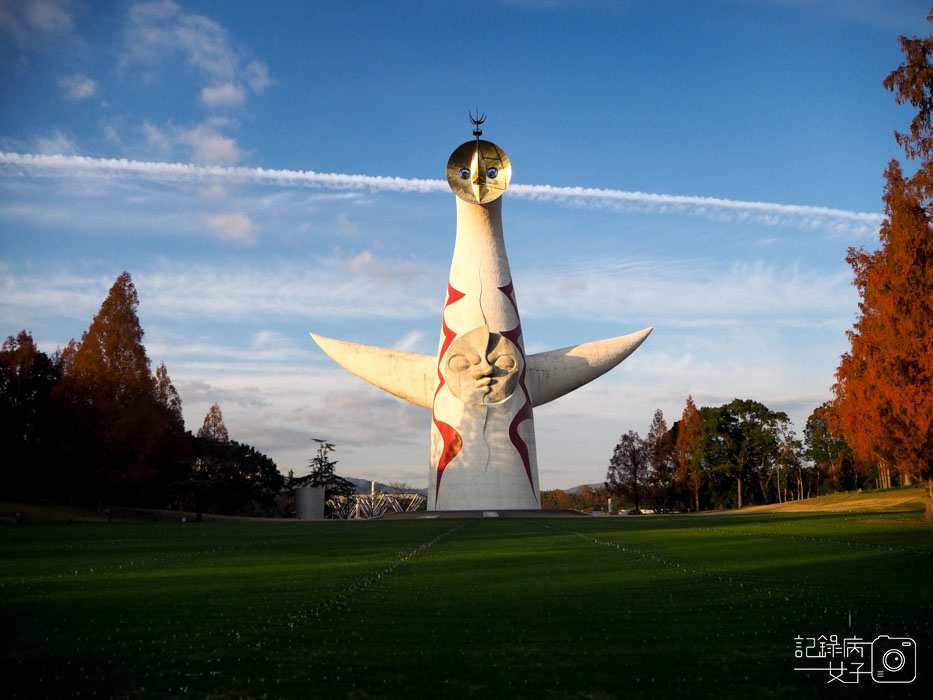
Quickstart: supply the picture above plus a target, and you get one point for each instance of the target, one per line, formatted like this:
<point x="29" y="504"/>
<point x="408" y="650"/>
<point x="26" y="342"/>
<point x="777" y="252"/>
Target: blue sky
<point x="697" y="167"/>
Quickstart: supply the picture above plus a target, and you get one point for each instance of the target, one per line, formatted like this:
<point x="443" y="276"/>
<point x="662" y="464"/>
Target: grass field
<point x="556" y="607"/>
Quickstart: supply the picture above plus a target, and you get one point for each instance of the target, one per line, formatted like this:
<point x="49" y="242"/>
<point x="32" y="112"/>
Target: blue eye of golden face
<point x="464" y="174"/>
<point x="492" y="173"/>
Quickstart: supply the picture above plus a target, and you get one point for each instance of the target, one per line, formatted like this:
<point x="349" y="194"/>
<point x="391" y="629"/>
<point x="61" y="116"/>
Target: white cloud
<point x="233" y="227"/>
<point x="111" y="133"/>
<point x="157" y="138"/>
<point x="214" y="150"/>
<point x="280" y="414"/>
<point x="78" y="86"/>
<point x="266" y="340"/>
<point x="735" y="304"/>
<point x="287" y="290"/>
<point x="381" y="270"/>
<point x="143" y="13"/>
<point x="896" y="16"/>
<point x="66" y="294"/>
<point x="226" y="95"/>
<point x="346" y="226"/>
<point x="160" y="31"/>
<point x="409" y="342"/>
<point x="214" y="191"/>
<point x="56" y="143"/>
<point x="256" y="75"/>
<point x="688" y="293"/>
<point x="26" y="20"/>
<point x="197" y="393"/>
<point x="374" y="418"/>
<point x="208" y="146"/>
<point x="242" y="291"/>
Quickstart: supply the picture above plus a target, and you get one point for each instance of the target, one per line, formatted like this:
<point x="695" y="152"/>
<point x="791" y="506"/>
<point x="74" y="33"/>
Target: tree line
<point x="93" y="424"/>
<point x="738" y="454"/>
<point x="587" y="498"/>
<point x="878" y="427"/>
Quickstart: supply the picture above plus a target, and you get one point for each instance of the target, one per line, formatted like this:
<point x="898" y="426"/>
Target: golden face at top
<point x="478" y="171"/>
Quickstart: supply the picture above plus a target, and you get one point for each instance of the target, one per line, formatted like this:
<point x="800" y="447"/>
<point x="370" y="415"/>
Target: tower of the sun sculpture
<point x="481" y="387"/>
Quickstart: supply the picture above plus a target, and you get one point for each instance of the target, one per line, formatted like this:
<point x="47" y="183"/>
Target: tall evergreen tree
<point x="213" y="427"/>
<point x="211" y="481"/>
<point x="323" y="472"/>
<point x="166" y="395"/>
<point x="662" y="476"/>
<point x="884" y="389"/>
<point x="121" y="435"/>
<point x="111" y="354"/>
<point x="689" y="468"/>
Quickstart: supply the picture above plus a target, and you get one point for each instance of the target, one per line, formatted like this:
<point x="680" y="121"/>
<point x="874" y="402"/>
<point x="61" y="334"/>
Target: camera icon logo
<point x="893" y="659"/>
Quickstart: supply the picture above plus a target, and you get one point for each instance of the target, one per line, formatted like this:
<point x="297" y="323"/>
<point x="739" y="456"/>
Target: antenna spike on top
<point x="476" y="121"/>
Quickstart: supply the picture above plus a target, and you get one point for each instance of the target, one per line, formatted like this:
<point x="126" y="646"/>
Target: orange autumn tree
<point x="126" y="434"/>
<point x="213" y="427"/>
<point x="689" y="471"/>
<point x="884" y="390"/>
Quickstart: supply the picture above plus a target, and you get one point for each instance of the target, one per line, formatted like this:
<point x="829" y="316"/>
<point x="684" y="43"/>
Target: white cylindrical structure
<point x="309" y="503"/>
<point x="482" y="435"/>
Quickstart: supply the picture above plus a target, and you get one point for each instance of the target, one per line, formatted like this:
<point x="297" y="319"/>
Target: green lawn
<point x="555" y="607"/>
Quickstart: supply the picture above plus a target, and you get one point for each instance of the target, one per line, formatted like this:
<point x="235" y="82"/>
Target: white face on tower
<point x="482" y="367"/>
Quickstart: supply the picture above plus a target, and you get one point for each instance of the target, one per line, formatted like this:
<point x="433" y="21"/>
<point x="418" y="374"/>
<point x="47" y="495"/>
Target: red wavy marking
<point x="449" y="336"/>
<point x="509" y="291"/>
<point x="453" y="295"/>
<point x="453" y="443"/>
<point x="525" y="412"/>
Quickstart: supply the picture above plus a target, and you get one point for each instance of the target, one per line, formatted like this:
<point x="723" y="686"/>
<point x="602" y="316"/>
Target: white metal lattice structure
<point x="367" y="506"/>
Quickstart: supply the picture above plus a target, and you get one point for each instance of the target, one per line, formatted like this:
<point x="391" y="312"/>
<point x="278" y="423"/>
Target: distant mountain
<point x="364" y="485"/>
<point x="578" y="489"/>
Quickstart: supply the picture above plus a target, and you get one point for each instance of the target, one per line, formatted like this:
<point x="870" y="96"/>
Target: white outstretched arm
<point x="552" y="374"/>
<point x="405" y="374"/>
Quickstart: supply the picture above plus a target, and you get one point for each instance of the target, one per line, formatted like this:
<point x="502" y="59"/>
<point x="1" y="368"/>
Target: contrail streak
<point x="589" y="193"/>
<point x="39" y="165"/>
<point x="35" y="164"/>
